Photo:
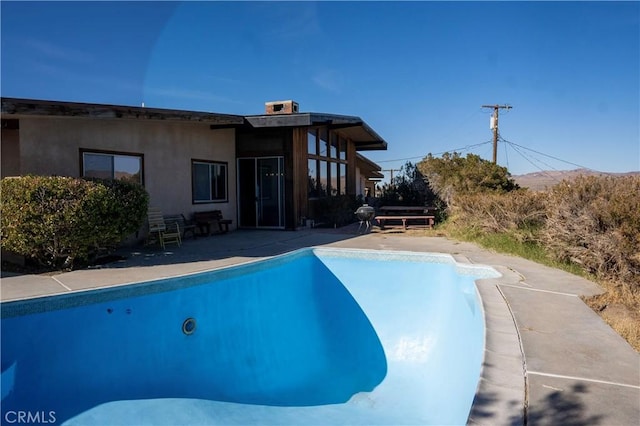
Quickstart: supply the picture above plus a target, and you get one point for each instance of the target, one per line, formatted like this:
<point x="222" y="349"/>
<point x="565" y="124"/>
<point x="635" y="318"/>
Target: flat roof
<point x="353" y="127"/>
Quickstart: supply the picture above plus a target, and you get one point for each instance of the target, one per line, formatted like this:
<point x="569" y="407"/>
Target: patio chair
<point x="163" y="232"/>
<point x="186" y="226"/>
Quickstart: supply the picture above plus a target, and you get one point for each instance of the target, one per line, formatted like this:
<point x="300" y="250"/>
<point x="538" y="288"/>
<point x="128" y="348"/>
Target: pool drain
<point x="189" y="326"/>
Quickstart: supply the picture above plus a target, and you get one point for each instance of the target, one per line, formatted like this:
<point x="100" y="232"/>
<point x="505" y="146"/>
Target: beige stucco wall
<point x="51" y="146"/>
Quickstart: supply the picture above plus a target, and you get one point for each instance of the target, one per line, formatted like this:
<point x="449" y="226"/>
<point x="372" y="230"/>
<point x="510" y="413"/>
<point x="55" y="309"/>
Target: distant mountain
<point x="539" y="181"/>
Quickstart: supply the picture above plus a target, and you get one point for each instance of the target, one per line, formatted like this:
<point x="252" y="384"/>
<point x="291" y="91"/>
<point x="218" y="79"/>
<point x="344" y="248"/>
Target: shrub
<point x="520" y="213"/>
<point x="59" y="220"/>
<point x="337" y="211"/>
<point x="454" y="175"/>
<point x="595" y="222"/>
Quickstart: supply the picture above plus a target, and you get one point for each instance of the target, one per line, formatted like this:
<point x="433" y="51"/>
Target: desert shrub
<point x="454" y="175"/>
<point x="595" y="222"/>
<point x="520" y="213"/>
<point x="336" y="211"/>
<point x="59" y="220"/>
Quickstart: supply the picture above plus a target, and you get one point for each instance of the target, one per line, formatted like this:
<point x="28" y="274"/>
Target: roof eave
<point x="16" y="107"/>
<point x="364" y="137"/>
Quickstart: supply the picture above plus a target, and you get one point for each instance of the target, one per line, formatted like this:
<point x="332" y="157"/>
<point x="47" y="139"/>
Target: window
<point x="324" y="179"/>
<point x="327" y="163"/>
<point x="313" y="178"/>
<point x="333" y="185"/>
<point x="312" y="142"/>
<point x="334" y="146"/>
<point x="112" y="165"/>
<point x="209" y="181"/>
<point x="324" y="143"/>
<point x="343" y="149"/>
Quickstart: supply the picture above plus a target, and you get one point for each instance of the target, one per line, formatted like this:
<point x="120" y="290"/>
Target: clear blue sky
<point x="416" y="72"/>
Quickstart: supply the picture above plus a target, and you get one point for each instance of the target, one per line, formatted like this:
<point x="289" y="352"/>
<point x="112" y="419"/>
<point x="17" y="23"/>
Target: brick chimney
<point x="281" y="107"/>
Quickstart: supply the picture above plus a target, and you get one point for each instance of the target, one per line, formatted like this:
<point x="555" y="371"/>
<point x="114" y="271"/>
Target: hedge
<point x="57" y="221"/>
<point x="594" y="221"/>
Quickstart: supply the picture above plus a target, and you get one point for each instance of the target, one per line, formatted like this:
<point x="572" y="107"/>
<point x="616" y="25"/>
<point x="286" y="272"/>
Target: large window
<point x="112" y="165"/>
<point x="327" y="163"/>
<point x="209" y="181"/>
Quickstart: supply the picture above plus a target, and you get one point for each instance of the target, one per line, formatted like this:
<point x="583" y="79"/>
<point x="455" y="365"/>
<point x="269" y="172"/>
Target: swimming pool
<point x="317" y="336"/>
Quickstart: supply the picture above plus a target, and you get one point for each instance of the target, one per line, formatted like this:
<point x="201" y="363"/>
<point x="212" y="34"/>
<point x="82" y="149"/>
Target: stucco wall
<point x="51" y="146"/>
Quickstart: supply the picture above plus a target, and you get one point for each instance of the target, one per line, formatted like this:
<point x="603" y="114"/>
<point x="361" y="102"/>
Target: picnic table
<point x="404" y="214"/>
<point x="400" y="210"/>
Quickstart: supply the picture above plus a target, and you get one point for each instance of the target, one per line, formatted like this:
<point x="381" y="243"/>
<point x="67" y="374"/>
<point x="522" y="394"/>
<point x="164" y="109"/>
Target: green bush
<point x="59" y="220"/>
<point x="454" y="175"/>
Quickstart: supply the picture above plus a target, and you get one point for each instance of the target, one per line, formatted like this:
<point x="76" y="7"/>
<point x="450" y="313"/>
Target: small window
<point x="209" y="182"/>
<point x="107" y="165"/>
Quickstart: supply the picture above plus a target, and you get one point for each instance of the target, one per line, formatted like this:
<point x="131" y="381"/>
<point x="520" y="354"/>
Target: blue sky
<point x="416" y="72"/>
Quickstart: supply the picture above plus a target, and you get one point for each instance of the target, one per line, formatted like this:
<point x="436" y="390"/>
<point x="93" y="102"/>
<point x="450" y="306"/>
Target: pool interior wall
<point x="339" y="336"/>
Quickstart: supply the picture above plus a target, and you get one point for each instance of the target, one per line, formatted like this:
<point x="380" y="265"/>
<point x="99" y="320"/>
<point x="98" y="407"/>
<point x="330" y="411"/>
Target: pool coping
<point x="537" y="366"/>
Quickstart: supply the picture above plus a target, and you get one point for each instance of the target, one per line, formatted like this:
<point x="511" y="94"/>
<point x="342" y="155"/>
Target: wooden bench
<point x="211" y="219"/>
<point x="429" y="220"/>
<point x="185" y="225"/>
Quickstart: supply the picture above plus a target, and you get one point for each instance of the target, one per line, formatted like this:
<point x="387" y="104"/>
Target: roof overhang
<point x="16" y="108"/>
<point x="368" y="168"/>
<point x="352" y="127"/>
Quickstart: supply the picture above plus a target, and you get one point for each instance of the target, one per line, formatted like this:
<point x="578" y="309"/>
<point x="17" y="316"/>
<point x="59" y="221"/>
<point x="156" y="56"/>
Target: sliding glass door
<point x="261" y="192"/>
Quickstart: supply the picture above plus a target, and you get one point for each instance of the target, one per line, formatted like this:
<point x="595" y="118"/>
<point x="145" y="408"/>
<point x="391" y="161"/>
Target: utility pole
<point x="391" y="170"/>
<point x="494" y="127"/>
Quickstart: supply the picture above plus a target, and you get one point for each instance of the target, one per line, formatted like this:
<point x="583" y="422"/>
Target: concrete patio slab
<point x="563" y="401"/>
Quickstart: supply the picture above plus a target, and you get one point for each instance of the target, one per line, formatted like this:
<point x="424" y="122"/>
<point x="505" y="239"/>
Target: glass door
<point x="261" y="192"/>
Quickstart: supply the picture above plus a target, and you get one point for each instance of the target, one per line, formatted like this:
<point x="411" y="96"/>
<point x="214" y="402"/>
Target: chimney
<point x="281" y="107"/>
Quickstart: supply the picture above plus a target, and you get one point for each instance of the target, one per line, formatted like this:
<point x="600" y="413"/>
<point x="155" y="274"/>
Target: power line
<point x="506" y="155"/>
<point x="527" y="157"/>
<point x="468" y="147"/>
<point x="547" y="155"/>
<point x="516" y="149"/>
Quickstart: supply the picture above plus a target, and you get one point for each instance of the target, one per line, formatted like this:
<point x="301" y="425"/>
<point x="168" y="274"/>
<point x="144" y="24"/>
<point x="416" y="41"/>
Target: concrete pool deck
<point x="549" y="358"/>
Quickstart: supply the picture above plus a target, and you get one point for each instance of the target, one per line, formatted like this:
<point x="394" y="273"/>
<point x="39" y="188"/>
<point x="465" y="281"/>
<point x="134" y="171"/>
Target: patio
<point x="549" y="358"/>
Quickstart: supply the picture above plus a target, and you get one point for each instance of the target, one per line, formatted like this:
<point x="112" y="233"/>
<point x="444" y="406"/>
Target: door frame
<point x="280" y="186"/>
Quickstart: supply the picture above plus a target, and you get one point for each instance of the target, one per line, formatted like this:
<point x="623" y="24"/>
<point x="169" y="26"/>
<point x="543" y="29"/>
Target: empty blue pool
<point x="317" y="336"/>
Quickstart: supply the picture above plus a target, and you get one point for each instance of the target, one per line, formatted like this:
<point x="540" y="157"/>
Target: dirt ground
<point x="621" y="317"/>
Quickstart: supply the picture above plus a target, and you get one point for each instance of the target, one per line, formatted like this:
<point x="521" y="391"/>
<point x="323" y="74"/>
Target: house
<point x="261" y="171"/>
